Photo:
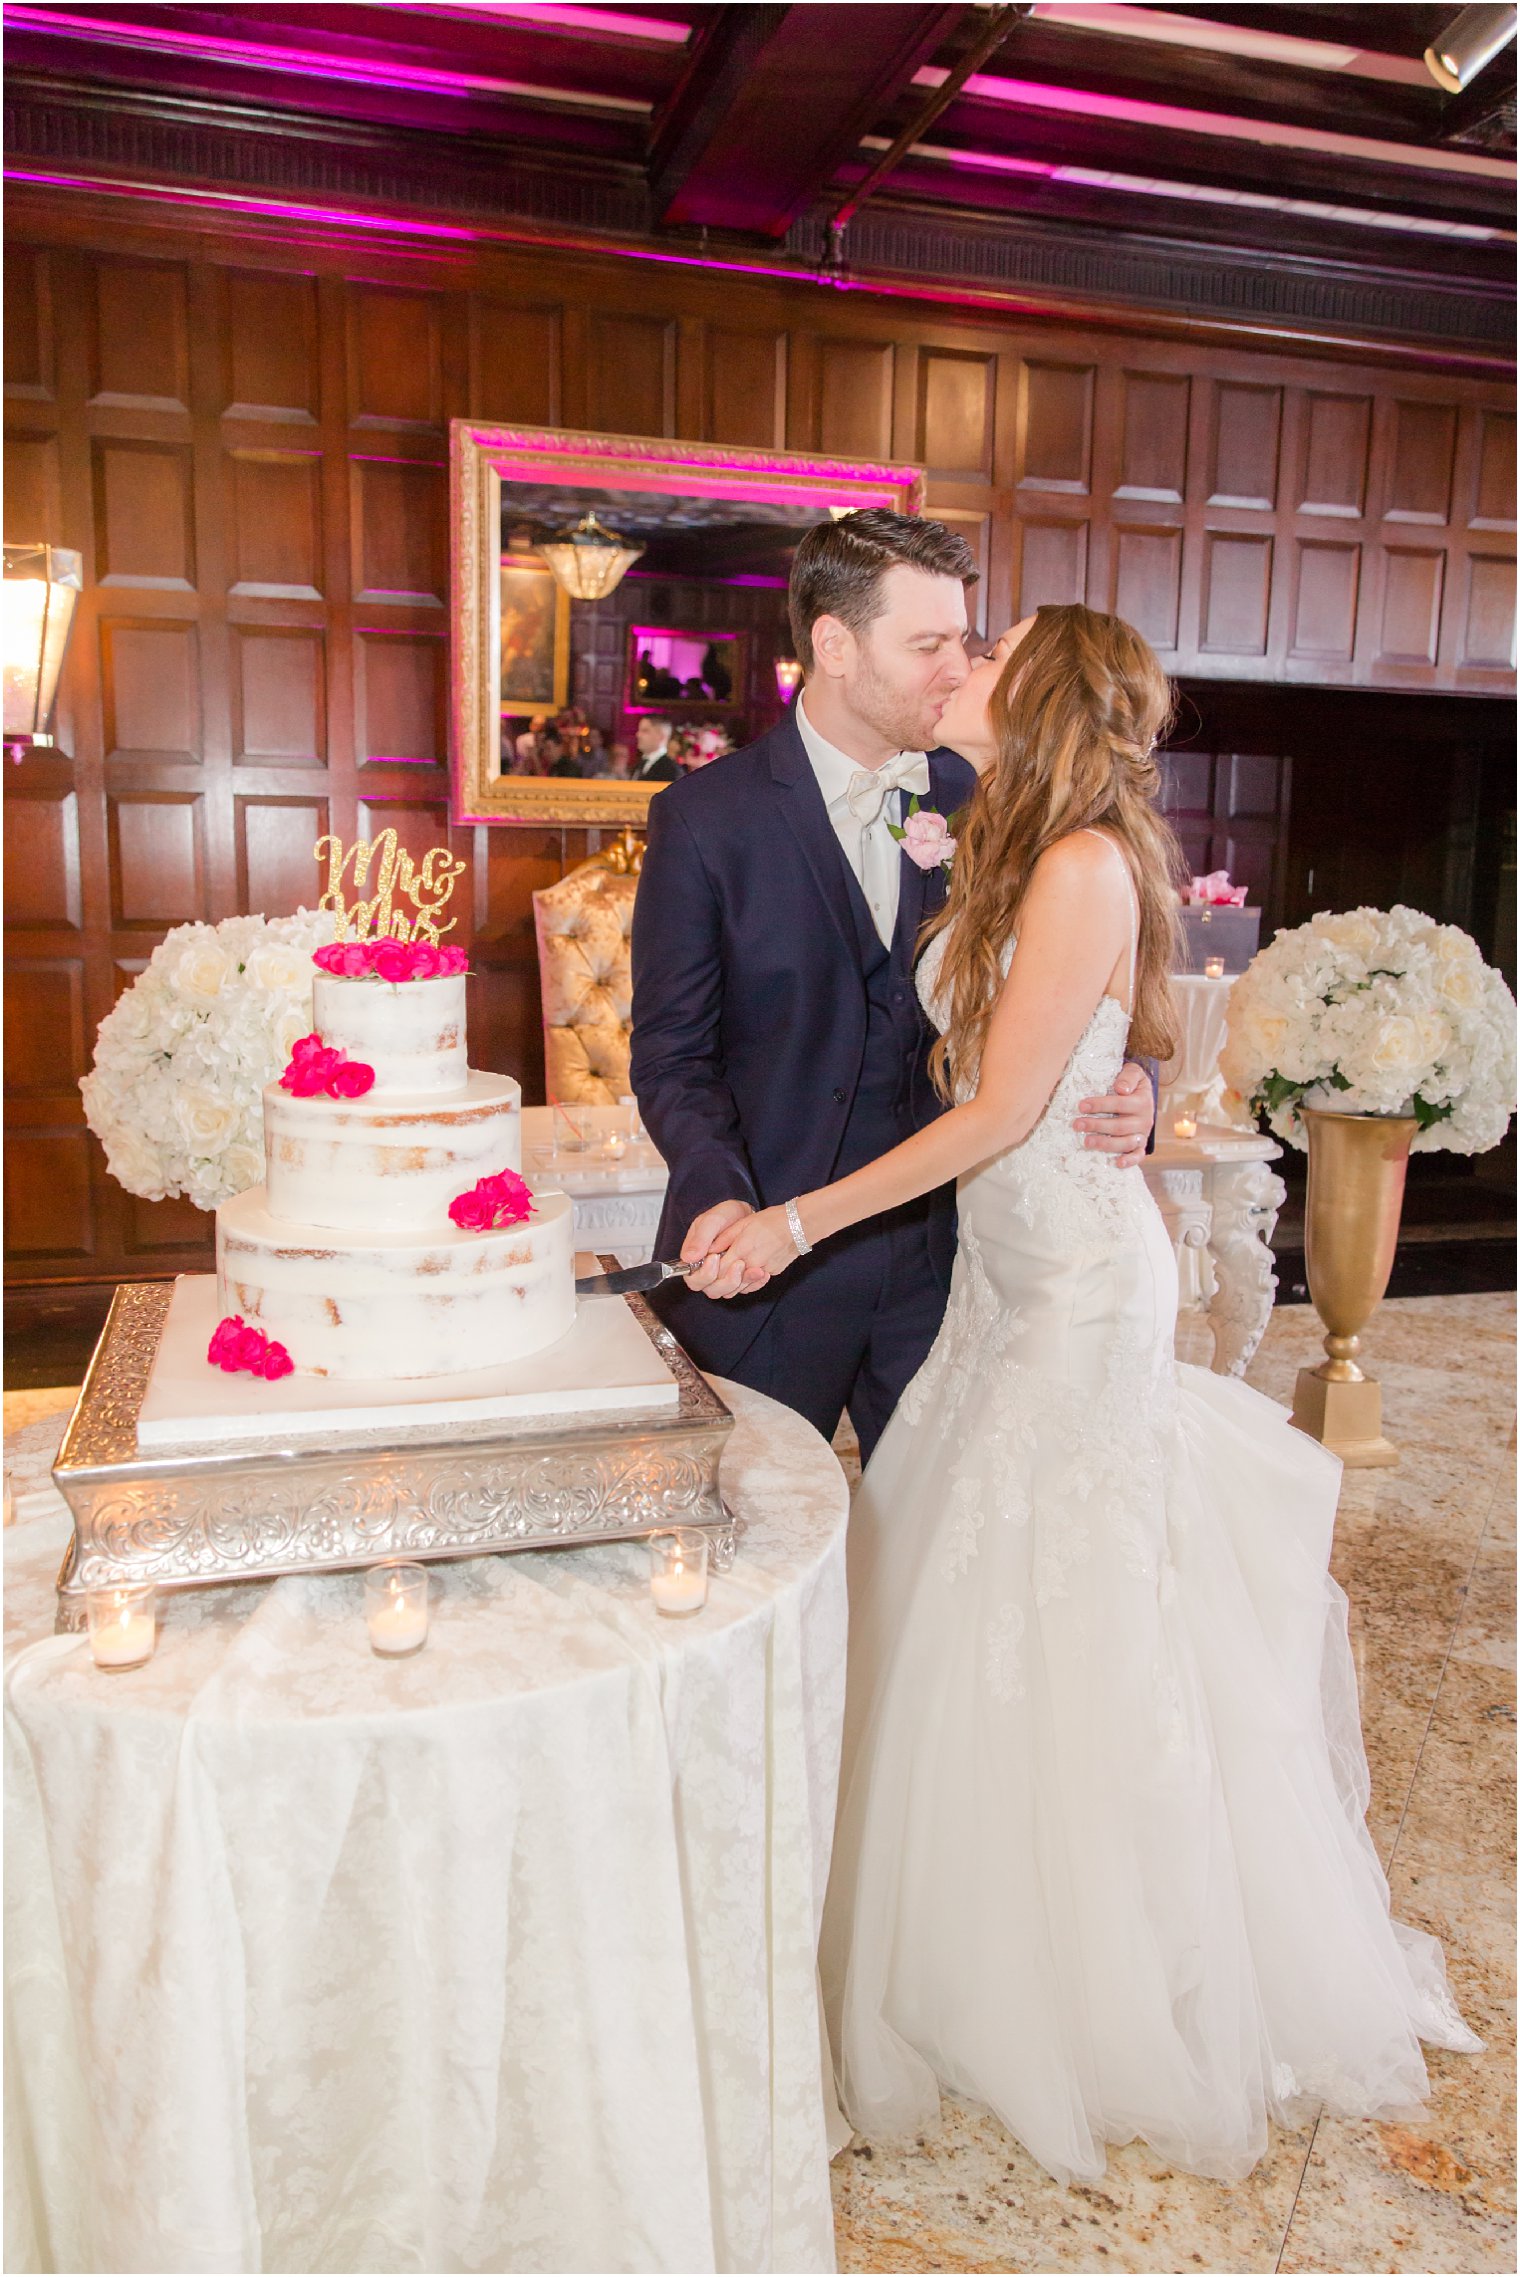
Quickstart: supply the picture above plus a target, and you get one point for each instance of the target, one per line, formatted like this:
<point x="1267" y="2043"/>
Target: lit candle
<point x="123" y="1629"/>
<point x="678" y="1571"/>
<point x="1214" y="968"/>
<point x="396" y="1609"/>
<point x="1186" y="1126"/>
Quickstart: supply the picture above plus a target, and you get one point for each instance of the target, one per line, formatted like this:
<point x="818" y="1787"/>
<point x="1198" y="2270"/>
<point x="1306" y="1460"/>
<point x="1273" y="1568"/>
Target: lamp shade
<point x="40" y="589"/>
<point x="591" y="562"/>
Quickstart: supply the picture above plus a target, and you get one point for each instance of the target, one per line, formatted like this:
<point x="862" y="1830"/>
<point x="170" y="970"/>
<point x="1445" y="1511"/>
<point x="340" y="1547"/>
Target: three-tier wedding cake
<point x="393" y="1236"/>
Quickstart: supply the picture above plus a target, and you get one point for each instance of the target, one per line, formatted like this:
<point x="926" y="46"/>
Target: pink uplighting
<point x="313" y="63"/>
<point x="1172" y="118"/>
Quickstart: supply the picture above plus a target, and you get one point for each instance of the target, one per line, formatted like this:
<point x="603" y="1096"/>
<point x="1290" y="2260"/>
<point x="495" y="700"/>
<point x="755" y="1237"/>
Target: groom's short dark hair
<point x="838" y="568"/>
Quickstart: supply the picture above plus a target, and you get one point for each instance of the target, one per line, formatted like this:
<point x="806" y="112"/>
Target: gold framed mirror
<point x="619" y="608"/>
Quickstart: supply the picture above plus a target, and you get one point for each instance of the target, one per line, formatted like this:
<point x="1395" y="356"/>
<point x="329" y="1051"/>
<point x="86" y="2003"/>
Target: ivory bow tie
<point x="870" y="789"/>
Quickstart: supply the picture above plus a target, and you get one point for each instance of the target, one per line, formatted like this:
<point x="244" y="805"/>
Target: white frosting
<point x="411" y="1032"/>
<point x="387" y="1165"/>
<point x="375" y="1304"/>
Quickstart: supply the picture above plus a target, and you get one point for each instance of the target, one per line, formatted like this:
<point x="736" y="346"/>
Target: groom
<point x="778" y="1041"/>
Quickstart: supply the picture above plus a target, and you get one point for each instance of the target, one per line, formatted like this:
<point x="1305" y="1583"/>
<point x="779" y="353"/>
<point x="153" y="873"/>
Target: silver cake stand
<point x="192" y="1516"/>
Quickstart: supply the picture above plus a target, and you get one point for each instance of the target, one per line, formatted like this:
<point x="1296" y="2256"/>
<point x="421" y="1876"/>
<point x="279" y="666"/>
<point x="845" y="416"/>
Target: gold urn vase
<point x="1356" y="1191"/>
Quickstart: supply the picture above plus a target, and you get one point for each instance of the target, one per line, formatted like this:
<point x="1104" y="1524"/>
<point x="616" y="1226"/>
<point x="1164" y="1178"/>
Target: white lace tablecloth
<point x="499" y="1958"/>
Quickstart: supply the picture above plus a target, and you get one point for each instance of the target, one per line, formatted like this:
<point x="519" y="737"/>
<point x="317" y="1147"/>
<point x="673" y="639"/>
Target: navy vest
<point x="883" y="1111"/>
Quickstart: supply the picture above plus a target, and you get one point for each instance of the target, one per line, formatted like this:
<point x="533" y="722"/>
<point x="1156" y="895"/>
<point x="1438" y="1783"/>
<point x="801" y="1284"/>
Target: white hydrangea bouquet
<point x="1376" y="1012"/>
<point x="175" y="1094"/>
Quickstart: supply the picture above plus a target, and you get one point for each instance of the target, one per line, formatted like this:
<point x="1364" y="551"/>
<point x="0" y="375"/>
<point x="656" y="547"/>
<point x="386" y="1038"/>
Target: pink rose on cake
<point x="505" y="1199"/>
<point x="238" y="1349"/>
<point x="393" y="961"/>
<point x="351" y="1080"/>
<point x="317" y="1067"/>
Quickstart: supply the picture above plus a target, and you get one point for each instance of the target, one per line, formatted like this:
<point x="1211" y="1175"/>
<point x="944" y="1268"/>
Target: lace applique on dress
<point x="1004" y="1661"/>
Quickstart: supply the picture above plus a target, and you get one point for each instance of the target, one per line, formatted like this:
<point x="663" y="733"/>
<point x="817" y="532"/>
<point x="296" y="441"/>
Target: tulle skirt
<point x="1101" y="1862"/>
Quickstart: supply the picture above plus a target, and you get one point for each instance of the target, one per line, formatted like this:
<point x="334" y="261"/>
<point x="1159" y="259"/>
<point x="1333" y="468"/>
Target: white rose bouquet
<point x="1377" y="1012"/>
<point x="174" y="1095"/>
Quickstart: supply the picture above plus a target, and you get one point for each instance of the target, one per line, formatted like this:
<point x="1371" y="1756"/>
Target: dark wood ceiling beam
<point x="1485" y="110"/>
<point x="1202" y="78"/>
<point x="1185" y="222"/>
<point x="1375" y="27"/>
<point x="773" y="100"/>
<point x="241" y="89"/>
<point x="1234" y="162"/>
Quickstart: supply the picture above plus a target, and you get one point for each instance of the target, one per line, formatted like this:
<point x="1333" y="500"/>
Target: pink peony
<point x="223" y="1336"/>
<point x="471" y="1212"/>
<point x="277" y="1363"/>
<point x="350" y="1079"/>
<point x="354" y="961"/>
<point x="926" y="839"/>
<point x="329" y="959"/>
<point x="427" y="962"/>
<point x="454" y="960"/>
<point x="511" y="1198"/>
<point x="391" y="961"/>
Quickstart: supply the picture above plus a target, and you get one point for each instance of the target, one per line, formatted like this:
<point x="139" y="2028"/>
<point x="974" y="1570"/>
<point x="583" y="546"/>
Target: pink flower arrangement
<point x="315" y="1067"/>
<point x="390" y="960"/>
<point x="1216" y="891"/>
<point x="240" y="1349"/>
<point x="505" y="1199"/>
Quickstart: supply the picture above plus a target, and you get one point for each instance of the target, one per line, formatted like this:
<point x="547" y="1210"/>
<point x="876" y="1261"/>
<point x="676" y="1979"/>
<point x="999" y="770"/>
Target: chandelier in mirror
<point x="592" y="561"/>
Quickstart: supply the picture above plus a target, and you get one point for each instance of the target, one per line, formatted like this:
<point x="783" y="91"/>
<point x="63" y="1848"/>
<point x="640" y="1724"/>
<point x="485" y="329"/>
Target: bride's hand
<point x="762" y="1243"/>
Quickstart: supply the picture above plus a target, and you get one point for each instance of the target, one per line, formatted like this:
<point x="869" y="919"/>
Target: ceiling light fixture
<point x="1468" y="42"/>
<point x="592" y="561"/>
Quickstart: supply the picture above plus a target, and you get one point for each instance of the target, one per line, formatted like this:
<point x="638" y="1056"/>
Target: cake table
<point x="501" y="1957"/>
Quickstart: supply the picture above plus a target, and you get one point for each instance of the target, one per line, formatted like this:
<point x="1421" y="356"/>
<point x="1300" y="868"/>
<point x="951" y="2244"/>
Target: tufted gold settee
<point x="586" y="978"/>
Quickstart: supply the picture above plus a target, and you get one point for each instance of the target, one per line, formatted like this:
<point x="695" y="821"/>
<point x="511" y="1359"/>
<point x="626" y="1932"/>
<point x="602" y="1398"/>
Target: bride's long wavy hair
<point x="1077" y="712"/>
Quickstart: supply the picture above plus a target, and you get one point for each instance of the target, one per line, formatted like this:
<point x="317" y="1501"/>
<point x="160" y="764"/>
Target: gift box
<point x="1218" y="931"/>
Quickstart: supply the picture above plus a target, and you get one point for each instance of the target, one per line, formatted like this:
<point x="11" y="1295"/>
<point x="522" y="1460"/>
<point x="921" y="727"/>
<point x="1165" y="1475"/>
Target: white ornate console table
<point x="615" y="1180"/>
<point x="1218" y="1194"/>
<point x="1220" y="1197"/>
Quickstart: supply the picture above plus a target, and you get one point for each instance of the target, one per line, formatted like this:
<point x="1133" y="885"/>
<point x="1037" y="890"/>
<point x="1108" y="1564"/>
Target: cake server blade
<point x="632" y="1281"/>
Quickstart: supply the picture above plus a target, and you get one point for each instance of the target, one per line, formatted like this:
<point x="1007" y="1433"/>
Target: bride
<point x="1101" y="1862"/>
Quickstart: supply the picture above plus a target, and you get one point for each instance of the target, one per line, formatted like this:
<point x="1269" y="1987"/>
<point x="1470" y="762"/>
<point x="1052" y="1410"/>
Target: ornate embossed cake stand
<point x="192" y="1516"/>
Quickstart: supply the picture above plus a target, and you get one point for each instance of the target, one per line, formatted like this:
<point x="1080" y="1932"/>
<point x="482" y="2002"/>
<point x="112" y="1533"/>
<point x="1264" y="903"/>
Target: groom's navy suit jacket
<point x="752" y="943"/>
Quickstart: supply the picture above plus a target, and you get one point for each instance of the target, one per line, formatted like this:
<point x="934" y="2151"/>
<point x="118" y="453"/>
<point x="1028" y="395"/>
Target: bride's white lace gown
<point x="1101" y="1862"/>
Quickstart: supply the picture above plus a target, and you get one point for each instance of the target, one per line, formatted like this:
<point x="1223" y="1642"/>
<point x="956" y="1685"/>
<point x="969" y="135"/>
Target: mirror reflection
<point x="643" y="633"/>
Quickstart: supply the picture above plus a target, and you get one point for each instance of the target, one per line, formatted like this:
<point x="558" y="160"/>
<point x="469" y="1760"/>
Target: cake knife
<point x="633" y="1280"/>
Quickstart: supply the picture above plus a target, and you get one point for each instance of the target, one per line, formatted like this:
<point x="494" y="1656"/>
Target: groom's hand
<point x="1120" y="1122"/>
<point x="716" y="1275"/>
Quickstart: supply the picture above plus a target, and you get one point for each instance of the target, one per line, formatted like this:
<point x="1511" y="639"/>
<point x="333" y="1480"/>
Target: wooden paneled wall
<point x="246" y="437"/>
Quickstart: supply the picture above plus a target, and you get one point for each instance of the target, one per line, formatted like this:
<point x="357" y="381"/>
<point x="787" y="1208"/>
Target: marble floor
<point x="1426" y="1555"/>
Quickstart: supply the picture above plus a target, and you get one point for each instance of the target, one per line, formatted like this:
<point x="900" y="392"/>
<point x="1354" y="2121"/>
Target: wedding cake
<point x="393" y="1237"/>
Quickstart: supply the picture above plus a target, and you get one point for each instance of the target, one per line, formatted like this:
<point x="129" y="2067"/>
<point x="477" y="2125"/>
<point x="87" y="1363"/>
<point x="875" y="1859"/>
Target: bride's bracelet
<point x="794" y="1223"/>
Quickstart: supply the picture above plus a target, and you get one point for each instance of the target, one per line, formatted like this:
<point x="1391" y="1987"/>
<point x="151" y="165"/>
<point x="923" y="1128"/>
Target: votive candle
<point x="123" y="1625"/>
<point x="396" y="1609"/>
<point x="678" y="1570"/>
<point x="1213" y="968"/>
<point x="1185" y="1127"/>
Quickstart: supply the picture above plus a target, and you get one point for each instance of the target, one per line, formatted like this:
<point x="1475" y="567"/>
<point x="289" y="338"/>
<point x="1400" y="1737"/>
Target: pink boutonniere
<point x="925" y="837"/>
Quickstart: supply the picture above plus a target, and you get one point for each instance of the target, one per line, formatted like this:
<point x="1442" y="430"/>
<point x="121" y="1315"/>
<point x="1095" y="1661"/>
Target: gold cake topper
<point x="426" y="885"/>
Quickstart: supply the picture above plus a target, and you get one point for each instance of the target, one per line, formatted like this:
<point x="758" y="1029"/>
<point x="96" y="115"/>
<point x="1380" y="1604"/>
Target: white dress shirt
<point x="872" y="852"/>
